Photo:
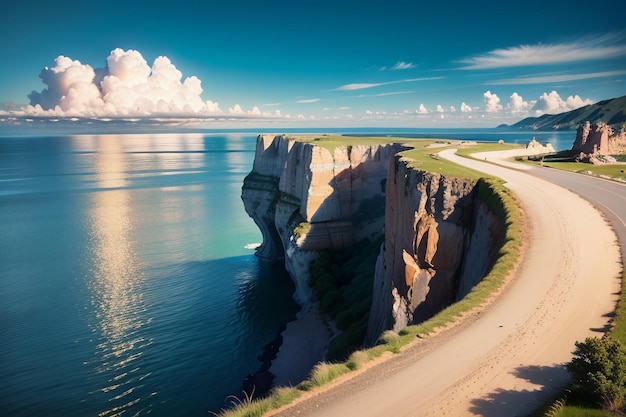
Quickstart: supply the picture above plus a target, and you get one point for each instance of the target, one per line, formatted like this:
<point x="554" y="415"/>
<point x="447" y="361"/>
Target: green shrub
<point x="342" y="281"/>
<point x="344" y="319"/>
<point x="331" y="302"/>
<point x="599" y="367"/>
<point x="301" y="229"/>
<point x="348" y="341"/>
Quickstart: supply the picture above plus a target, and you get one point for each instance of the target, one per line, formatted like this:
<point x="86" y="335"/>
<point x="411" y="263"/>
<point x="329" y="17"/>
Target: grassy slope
<point x="617" y="171"/>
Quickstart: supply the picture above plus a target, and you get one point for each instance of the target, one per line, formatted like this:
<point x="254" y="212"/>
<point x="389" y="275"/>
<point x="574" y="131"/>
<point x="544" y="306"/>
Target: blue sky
<point x="311" y="63"/>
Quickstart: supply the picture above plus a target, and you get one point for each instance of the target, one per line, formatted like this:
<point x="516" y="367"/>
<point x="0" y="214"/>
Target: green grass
<point x="576" y="411"/>
<point x="357" y="360"/>
<point x="487" y="147"/>
<point x="617" y="171"/>
<point x="330" y="142"/>
<point x="426" y="159"/>
<point x="491" y="189"/>
<point x="322" y="374"/>
<point x="256" y="408"/>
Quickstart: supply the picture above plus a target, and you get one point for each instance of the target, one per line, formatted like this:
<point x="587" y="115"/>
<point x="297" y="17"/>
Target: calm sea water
<point x="126" y="287"/>
<point x="127" y="282"/>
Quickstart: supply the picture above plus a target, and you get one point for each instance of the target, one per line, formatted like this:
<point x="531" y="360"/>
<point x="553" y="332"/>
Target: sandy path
<point x="510" y="359"/>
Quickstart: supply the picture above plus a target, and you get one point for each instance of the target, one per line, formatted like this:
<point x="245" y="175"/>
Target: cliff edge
<point x="441" y="234"/>
<point x="305" y="198"/>
<point x="441" y="239"/>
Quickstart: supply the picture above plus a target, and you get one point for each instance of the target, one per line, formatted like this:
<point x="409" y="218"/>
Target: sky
<point x="215" y="63"/>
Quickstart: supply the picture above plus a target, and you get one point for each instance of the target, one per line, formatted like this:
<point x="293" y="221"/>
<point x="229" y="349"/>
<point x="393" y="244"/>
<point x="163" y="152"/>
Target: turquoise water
<point x="126" y="283"/>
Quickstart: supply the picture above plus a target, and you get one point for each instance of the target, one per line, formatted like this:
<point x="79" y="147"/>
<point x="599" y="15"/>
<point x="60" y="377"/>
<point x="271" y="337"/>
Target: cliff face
<point x="305" y="198"/>
<point x="599" y="139"/>
<point x="440" y="240"/>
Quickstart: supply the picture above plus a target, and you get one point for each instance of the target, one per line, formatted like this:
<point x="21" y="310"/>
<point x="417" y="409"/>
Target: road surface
<point x="608" y="196"/>
<point x="509" y="359"/>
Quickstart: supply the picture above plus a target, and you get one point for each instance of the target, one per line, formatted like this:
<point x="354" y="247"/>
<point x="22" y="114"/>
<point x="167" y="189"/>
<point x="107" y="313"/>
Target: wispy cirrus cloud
<point x="357" y="86"/>
<point x="308" y="100"/>
<point x="401" y="65"/>
<point x="393" y="93"/>
<point x="590" y="48"/>
<point x="545" y="79"/>
<point x="362" y="86"/>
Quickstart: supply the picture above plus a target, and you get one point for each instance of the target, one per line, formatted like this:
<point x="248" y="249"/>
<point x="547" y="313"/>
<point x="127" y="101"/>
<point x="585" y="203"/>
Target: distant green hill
<point x="612" y="112"/>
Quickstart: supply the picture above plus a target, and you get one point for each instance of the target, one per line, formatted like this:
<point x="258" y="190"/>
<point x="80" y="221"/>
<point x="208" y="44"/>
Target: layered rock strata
<point x="599" y="139"/>
<point x="441" y="239"/>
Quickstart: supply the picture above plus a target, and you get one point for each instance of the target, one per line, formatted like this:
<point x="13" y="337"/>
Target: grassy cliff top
<point x="422" y="152"/>
<point x="330" y="142"/>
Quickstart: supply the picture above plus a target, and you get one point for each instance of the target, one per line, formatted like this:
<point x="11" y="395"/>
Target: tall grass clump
<point x="322" y="374"/>
<point x="249" y="407"/>
<point x="357" y="360"/>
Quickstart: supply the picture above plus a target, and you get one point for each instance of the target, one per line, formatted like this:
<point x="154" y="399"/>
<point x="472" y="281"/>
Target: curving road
<point x="507" y="360"/>
<point x="608" y="196"/>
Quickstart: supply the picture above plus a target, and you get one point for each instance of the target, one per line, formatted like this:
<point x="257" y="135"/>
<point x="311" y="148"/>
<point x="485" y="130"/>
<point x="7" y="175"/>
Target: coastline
<point x="305" y="343"/>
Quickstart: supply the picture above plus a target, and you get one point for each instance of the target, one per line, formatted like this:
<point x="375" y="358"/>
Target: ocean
<point x="128" y="281"/>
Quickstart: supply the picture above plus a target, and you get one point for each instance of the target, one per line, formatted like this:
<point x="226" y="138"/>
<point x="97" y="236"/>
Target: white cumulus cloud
<point x="465" y="108"/>
<point x="440" y="108"/>
<point x="126" y="87"/>
<point x="422" y="109"/>
<point x="517" y="104"/>
<point x="552" y="103"/>
<point x="492" y="102"/>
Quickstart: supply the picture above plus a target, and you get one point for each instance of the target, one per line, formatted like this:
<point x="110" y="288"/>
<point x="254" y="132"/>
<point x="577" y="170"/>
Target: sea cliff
<point x="441" y="238"/>
<point x="441" y="234"/>
<point x="305" y="198"/>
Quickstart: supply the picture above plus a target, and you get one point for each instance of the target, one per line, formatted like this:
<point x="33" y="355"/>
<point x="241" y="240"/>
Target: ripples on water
<point x="126" y="287"/>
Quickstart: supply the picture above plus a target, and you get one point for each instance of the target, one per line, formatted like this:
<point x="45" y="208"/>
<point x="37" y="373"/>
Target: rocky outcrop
<point x="441" y="239"/>
<point x="599" y="139"/>
<point x="305" y="198"/>
<point x="535" y="148"/>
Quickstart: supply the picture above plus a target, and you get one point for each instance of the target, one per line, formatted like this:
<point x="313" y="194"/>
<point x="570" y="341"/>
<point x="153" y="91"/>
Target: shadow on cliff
<point x="355" y="208"/>
<point x="547" y="380"/>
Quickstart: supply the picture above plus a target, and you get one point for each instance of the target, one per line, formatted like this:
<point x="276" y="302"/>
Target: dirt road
<point x="508" y="360"/>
